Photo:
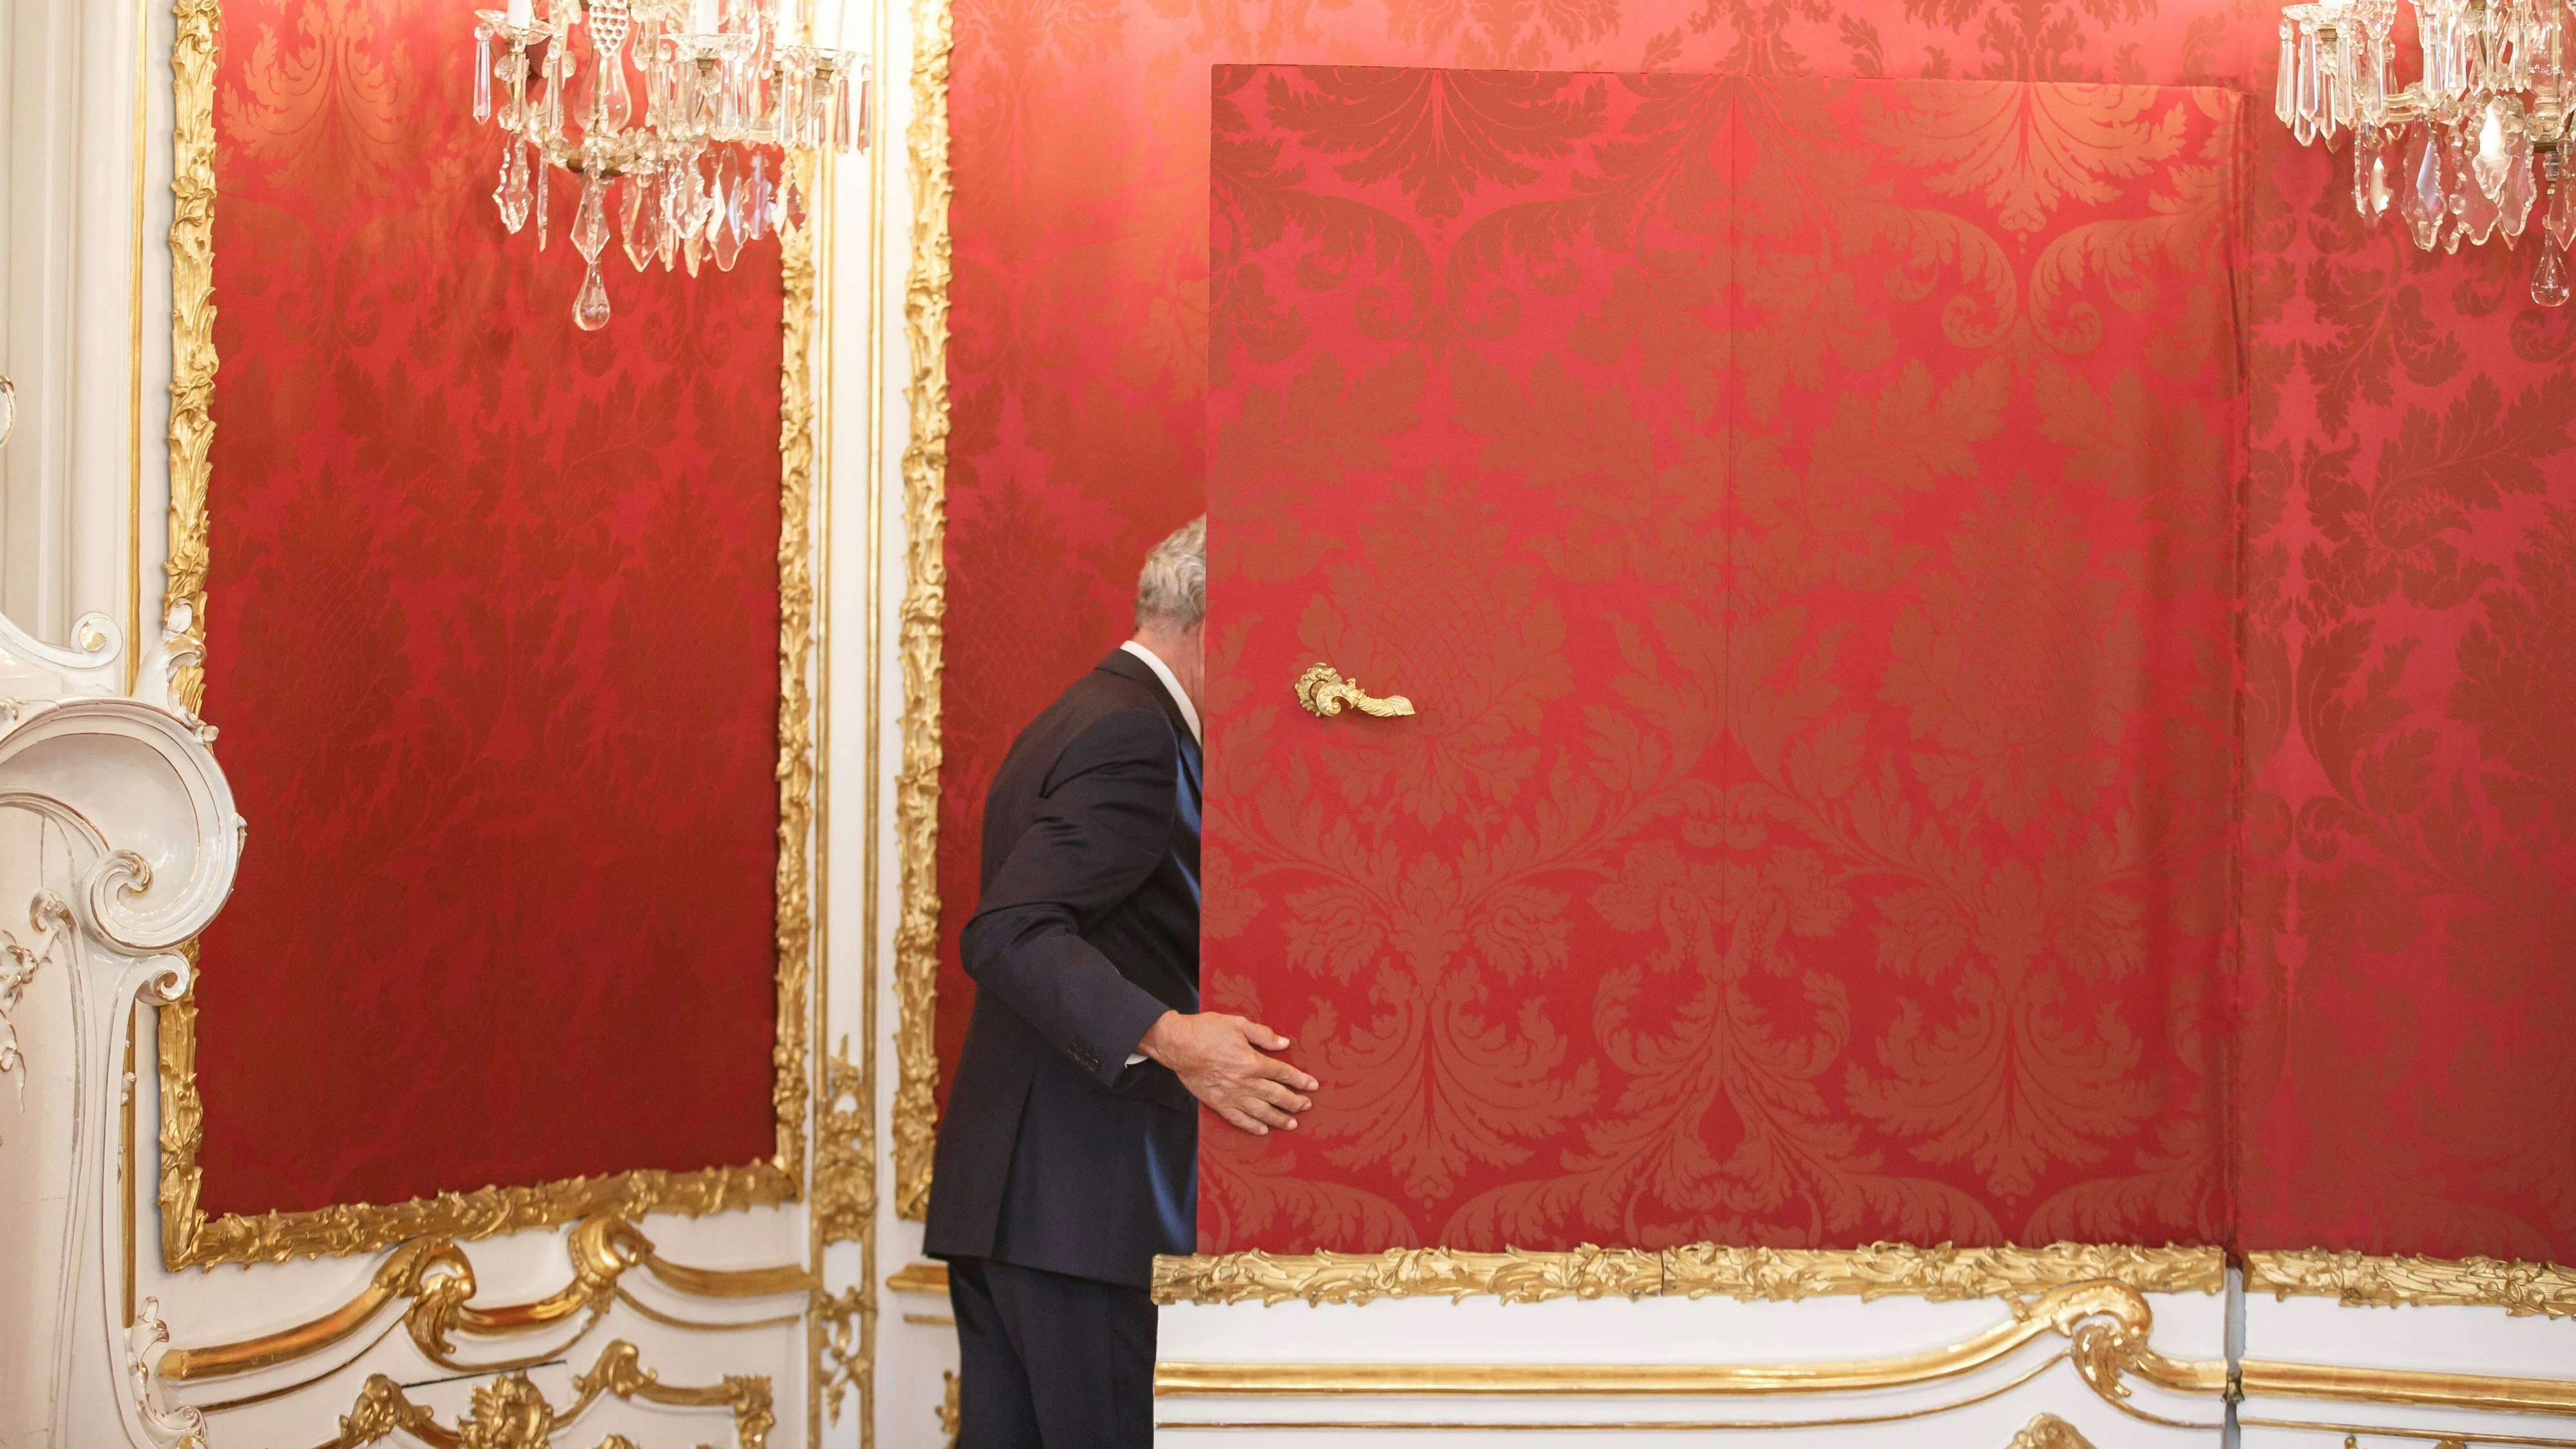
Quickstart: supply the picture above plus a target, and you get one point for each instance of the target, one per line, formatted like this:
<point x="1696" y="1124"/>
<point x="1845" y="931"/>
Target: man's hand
<point x="1219" y="1058"/>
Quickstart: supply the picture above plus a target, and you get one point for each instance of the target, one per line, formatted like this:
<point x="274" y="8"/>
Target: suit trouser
<point x="1050" y="1361"/>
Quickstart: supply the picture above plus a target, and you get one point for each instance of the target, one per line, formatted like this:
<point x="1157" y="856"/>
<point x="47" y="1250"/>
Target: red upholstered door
<point x="1801" y="514"/>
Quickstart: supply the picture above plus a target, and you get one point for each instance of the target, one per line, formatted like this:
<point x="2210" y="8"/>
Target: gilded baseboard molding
<point x="2495" y="1393"/>
<point x="925" y="605"/>
<point x="2107" y="1323"/>
<point x="511" y="1413"/>
<point x="437" y="1279"/>
<point x="1940" y="1273"/>
<point x="2520" y="1288"/>
<point x="2045" y="1431"/>
<point x="2108" y="1327"/>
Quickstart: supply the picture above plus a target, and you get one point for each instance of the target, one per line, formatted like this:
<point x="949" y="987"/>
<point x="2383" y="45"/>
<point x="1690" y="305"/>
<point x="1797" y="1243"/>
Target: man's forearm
<point x="1033" y="959"/>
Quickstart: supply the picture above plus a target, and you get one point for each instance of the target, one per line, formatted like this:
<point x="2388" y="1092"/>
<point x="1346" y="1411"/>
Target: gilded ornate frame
<point x="925" y="605"/>
<point x="188" y="1236"/>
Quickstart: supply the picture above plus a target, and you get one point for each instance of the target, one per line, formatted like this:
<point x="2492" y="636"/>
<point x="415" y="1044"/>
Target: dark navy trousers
<point x="1050" y="1361"/>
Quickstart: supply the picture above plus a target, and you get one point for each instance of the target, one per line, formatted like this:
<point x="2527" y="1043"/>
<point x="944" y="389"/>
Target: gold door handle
<point x="1323" y="691"/>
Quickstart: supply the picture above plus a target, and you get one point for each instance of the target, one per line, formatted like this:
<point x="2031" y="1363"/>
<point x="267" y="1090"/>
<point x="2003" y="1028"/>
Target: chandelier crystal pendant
<point x="699" y="169"/>
<point x="2474" y="150"/>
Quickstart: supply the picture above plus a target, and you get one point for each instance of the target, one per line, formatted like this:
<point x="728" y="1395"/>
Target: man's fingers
<point x="1279" y="1071"/>
<point x="1262" y="1036"/>
<point x="1279" y="1096"/>
<point x="1241" y="1123"/>
<point x="1262" y="1112"/>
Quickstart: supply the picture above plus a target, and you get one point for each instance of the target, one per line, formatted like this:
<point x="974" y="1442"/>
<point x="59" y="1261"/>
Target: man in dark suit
<point x="1069" y="1154"/>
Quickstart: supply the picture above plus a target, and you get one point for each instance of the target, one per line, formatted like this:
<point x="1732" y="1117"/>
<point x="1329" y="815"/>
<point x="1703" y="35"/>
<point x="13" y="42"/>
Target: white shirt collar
<point x="1180" y="696"/>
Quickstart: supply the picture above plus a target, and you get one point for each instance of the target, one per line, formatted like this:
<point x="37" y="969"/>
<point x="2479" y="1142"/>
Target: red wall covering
<point x="492" y="633"/>
<point x="1812" y="566"/>
<point x="2401" y="969"/>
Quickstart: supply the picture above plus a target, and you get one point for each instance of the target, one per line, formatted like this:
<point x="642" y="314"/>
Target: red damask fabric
<point x="2405" y="985"/>
<point x="1078" y="314"/>
<point x="1812" y="563"/>
<point x="2409" y="1028"/>
<point x="492" y="643"/>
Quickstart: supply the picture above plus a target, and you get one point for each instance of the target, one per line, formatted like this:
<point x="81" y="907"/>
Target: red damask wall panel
<point x="2409" y="1036"/>
<point x="1079" y="310"/>
<point x="493" y="642"/>
<point x="2407" y="981"/>
<point x="1814" y="569"/>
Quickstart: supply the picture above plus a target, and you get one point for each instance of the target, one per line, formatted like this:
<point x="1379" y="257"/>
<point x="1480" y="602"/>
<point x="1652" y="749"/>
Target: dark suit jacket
<point x="1054" y="1153"/>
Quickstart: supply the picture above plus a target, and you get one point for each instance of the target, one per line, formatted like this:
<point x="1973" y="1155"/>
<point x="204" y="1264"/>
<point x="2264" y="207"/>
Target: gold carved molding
<point x="1698" y="1270"/>
<point x="925" y="604"/>
<point x="192" y="336"/>
<point x="2047" y="1431"/>
<point x="2522" y="1289"/>
<point x="436" y="1279"/>
<point x="796" y="471"/>
<point x="188" y="1236"/>
<point x="2107" y="1326"/>
<point x="510" y="1412"/>
<point x="2106" y="1323"/>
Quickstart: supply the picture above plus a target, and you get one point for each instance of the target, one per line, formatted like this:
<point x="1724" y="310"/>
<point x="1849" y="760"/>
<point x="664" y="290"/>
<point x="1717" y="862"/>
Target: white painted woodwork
<point x="1667" y="1331"/>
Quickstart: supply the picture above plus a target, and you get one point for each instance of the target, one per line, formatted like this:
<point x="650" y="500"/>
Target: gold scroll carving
<point x="192" y="335"/>
<point x="1698" y="1270"/>
<point x="2522" y="1289"/>
<point x="189" y="1236"/>
<point x="2107" y="1322"/>
<point x="2047" y="1431"/>
<point x="1940" y="1274"/>
<point x="510" y="1412"/>
<point x="925" y="604"/>
<point x="437" y="1279"/>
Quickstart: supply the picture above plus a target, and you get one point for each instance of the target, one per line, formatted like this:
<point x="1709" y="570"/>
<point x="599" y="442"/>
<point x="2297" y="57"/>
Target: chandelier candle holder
<point x="2474" y="150"/>
<point x="679" y="118"/>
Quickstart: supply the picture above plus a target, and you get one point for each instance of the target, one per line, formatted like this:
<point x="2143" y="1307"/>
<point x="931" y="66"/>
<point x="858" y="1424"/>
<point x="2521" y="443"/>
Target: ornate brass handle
<point x="1323" y="691"/>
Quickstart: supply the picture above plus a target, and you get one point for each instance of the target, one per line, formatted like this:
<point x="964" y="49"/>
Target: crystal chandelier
<point x="725" y="98"/>
<point x="2474" y="149"/>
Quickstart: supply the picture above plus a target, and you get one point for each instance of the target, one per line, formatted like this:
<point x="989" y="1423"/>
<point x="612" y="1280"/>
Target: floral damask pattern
<point x="1079" y="310"/>
<point x="2403" y="970"/>
<point x="2410" y="894"/>
<point x="1719" y="890"/>
<point x="492" y="631"/>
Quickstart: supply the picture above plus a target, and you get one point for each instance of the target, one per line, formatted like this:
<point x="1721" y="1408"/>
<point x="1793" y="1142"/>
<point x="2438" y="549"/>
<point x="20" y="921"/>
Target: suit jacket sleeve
<point x="1103" y="825"/>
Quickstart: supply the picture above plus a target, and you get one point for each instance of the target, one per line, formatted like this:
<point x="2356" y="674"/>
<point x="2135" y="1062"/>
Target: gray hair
<point x="1172" y="590"/>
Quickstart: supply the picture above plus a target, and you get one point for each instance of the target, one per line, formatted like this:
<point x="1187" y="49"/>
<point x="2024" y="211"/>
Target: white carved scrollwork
<point x="118" y="844"/>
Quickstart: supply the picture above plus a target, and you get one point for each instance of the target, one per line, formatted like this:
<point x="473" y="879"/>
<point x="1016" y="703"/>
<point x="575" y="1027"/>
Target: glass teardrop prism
<point x="2492" y="156"/>
<point x="2479" y="211"/>
<point x="2519" y="192"/>
<point x="2549" y="277"/>
<point x="727" y="197"/>
<point x="2285" y="81"/>
<point x="482" y="75"/>
<point x="638" y="217"/>
<point x="2561" y="221"/>
<point x="512" y="194"/>
<point x="590" y="218"/>
<point x="590" y="305"/>
<point x="2420" y="199"/>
